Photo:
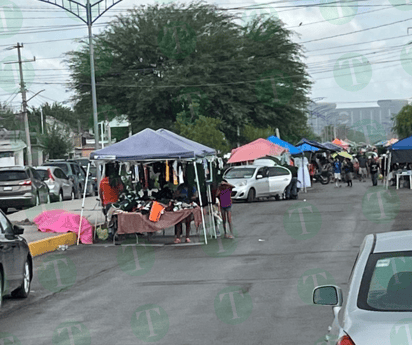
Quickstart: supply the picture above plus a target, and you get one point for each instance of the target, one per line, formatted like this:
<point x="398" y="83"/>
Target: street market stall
<point x="400" y="152"/>
<point x="254" y="150"/>
<point x="172" y="159"/>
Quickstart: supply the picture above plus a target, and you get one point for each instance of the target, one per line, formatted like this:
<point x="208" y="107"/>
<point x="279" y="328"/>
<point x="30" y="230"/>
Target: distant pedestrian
<point x="374" y="170"/>
<point x="291" y="191"/>
<point x="363" y="165"/>
<point x="224" y="194"/>
<point x="337" y="169"/>
<point x="348" y="169"/>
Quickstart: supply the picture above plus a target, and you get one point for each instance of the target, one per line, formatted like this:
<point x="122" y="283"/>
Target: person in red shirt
<point x="110" y="187"/>
<point x="224" y="192"/>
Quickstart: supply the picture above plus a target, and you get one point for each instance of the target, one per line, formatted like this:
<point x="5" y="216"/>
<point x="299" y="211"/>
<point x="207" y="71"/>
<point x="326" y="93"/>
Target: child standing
<point x="224" y="194"/>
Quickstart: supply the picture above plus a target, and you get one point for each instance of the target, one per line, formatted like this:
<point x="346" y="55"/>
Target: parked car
<point x="60" y="186"/>
<point x="378" y="307"/>
<point x="92" y="173"/>
<point x="16" y="263"/>
<point x="76" y="173"/>
<point x="21" y="187"/>
<point x="254" y="181"/>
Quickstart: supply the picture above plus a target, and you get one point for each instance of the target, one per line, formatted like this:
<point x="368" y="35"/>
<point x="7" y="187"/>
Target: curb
<point x="51" y="244"/>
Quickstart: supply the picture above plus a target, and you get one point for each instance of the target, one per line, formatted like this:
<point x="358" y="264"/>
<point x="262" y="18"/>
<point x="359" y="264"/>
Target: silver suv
<point x="254" y="181"/>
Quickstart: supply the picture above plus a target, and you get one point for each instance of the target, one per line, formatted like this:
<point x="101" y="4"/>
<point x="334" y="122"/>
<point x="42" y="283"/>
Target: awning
<point x="254" y="150"/>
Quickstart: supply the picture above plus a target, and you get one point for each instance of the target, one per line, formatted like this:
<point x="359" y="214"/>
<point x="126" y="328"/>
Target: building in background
<point x="321" y="115"/>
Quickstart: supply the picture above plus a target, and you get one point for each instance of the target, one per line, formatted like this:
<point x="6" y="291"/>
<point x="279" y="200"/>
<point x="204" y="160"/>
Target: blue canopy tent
<point x="332" y="147"/>
<point x="292" y="149"/>
<point x="314" y="144"/>
<point x="307" y="148"/>
<point x="149" y="145"/>
<point x="401" y="152"/>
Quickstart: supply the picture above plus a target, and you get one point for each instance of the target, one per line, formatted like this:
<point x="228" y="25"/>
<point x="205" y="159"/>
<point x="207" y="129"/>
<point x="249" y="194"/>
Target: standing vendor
<point x="182" y="194"/>
<point x="110" y="187"/>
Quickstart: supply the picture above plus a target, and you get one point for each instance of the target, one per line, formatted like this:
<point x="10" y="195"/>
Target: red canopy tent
<point x="341" y="143"/>
<point x="254" y="150"/>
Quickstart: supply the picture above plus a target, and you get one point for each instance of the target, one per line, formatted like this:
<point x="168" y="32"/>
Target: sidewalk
<point x="43" y="242"/>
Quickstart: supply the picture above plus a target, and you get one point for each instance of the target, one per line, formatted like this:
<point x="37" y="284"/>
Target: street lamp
<point x="76" y="8"/>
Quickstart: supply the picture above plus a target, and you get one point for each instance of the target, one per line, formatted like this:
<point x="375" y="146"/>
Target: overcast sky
<point x="357" y="51"/>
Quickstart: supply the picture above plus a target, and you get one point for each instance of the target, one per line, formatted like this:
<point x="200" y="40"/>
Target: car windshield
<point x="240" y="173"/>
<point x="62" y="166"/>
<point x="44" y="174"/>
<point x="12" y="175"/>
<point x="387" y="283"/>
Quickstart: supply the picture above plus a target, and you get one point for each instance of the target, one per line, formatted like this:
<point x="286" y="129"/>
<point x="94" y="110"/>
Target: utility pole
<point x="24" y="102"/>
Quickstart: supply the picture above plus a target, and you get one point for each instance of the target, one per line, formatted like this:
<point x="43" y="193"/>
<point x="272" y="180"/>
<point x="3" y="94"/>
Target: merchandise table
<point x="135" y="222"/>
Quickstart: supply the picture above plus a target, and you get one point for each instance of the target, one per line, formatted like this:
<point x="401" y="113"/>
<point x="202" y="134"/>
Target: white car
<point x="378" y="307"/>
<point x="254" y="181"/>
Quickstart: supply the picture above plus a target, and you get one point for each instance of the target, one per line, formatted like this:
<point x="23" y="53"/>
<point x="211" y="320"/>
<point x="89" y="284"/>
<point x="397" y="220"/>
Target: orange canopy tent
<point x="254" y="150"/>
<point x="341" y="143"/>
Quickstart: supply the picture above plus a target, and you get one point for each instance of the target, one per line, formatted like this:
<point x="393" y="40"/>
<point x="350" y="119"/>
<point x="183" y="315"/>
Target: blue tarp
<point x="292" y="149"/>
<point x="332" y="147"/>
<point x="315" y="144"/>
<point x="307" y="148"/>
<point x="404" y="144"/>
<point x="149" y="144"/>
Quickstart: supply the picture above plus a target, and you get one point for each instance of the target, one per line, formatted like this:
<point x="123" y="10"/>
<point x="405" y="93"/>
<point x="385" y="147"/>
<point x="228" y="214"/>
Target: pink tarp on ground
<point x="63" y="221"/>
<point x="254" y="150"/>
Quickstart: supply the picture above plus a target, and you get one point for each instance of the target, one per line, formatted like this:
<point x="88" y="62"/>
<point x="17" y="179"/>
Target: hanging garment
<point x="303" y="172"/>
<point x="146" y="177"/>
<point x="180" y="173"/>
<point x="190" y="175"/>
<point x="175" y="181"/>
<point x="167" y="175"/>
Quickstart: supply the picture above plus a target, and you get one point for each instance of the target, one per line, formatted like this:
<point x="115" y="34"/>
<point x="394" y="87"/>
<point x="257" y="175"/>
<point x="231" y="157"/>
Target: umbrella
<point x="254" y="150"/>
<point x="342" y="154"/>
<point x="340" y="143"/>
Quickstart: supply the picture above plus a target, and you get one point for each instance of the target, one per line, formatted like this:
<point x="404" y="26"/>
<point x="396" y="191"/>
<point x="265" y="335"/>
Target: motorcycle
<point x="323" y="177"/>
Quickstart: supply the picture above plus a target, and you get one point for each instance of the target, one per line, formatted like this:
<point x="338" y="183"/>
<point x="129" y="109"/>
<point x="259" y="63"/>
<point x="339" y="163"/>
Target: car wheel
<point x="251" y="195"/>
<point x="60" y="196"/>
<point x="24" y="289"/>
<point x="277" y="197"/>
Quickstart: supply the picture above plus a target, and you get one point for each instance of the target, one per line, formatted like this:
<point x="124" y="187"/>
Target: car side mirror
<point x="18" y="230"/>
<point x="258" y="177"/>
<point x="328" y="295"/>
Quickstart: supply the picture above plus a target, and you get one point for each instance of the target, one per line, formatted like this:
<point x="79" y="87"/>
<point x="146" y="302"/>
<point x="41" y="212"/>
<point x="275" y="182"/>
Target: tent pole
<point x="200" y="200"/>
<point x="388" y="167"/>
<point x="211" y="216"/>
<point x="84" y="197"/>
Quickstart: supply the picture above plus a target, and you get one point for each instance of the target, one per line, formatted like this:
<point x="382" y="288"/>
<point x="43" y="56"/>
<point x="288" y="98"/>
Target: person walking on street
<point x="337" y="169"/>
<point x="291" y="191"/>
<point x="363" y="165"/>
<point x="374" y="170"/>
<point x="348" y="168"/>
<point x="224" y="194"/>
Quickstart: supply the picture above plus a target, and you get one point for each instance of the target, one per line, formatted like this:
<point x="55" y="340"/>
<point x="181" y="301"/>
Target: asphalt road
<point x="255" y="289"/>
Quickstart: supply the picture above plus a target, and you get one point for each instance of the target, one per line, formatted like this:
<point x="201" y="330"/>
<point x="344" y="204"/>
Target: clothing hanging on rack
<point x="180" y="173"/>
<point x="167" y="175"/>
<point x="175" y="181"/>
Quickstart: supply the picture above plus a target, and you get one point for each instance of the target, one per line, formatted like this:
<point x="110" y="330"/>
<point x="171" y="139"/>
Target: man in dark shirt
<point x="363" y="165"/>
<point x="291" y="190"/>
<point x="374" y="170"/>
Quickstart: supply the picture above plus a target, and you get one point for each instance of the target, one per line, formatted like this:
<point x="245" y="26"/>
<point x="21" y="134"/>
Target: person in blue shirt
<point x="337" y="169"/>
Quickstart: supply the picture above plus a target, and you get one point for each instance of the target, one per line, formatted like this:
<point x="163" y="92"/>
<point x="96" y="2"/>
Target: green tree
<point x="153" y="61"/>
<point x="252" y="133"/>
<point x="57" y="142"/>
<point x="403" y="122"/>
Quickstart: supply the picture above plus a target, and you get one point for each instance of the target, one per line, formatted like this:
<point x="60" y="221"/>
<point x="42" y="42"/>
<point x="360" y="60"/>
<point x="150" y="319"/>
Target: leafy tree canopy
<point x="156" y="61"/>
<point x="57" y="142"/>
<point x="403" y="122"/>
